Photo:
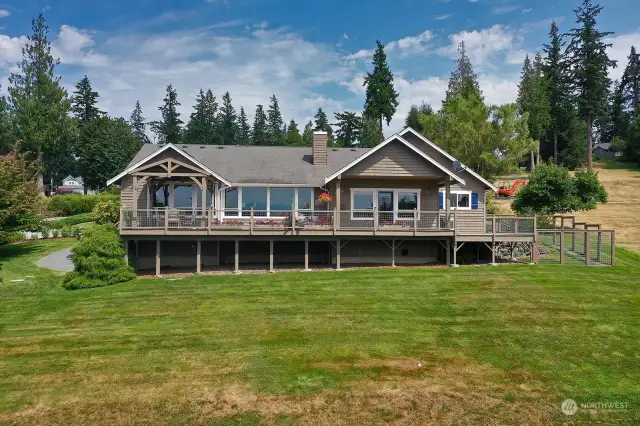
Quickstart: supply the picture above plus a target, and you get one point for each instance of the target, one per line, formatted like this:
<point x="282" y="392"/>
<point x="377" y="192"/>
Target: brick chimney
<point x="320" y="148"/>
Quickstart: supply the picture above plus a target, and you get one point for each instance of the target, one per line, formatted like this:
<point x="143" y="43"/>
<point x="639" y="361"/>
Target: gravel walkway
<point x="58" y="261"/>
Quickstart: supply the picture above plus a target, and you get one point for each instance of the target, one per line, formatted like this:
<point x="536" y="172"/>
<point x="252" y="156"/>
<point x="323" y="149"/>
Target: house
<point x="406" y="201"/>
<point x="71" y="185"/>
<point x="603" y="150"/>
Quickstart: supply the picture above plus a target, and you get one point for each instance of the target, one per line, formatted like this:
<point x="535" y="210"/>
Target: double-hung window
<point x="407" y="203"/>
<point x="362" y="202"/>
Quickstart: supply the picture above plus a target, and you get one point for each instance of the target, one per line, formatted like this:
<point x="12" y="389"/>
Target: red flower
<point x="325" y="198"/>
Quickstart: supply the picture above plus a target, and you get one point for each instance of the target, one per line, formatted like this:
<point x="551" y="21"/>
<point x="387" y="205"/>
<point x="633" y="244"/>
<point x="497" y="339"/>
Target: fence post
<point x="415" y="220"/>
<point x="587" y="248"/>
<point x="250" y="221"/>
<point x="613" y="248"/>
<point x="561" y="246"/>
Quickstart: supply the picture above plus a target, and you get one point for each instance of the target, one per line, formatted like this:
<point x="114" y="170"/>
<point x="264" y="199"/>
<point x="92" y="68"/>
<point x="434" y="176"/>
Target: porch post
<point x="204" y="197"/>
<point x="455" y="254"/>
<point x="135" y="196"/>
<point x="306" y="255"/>
<point x="447" y="201"/>
<point x="493" y="252"/>
<point x="236" y="260"/>
<point x="448" y="255"/>
<point x="158" y="242"/>
<point x="198" y="255"/>
<point x="338" y="254"/>
<point x="338" y="190"/>
<point x="271" y="256"/>
<point x="393" y="253"/>
<point x="126" y="251"/>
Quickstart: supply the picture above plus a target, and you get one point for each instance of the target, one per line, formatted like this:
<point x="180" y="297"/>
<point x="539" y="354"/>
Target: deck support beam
<point x="158" y="244"/>
<point x="198" y="256"/>
<point x="236" y="258"/>
<point x="271" y="256"/>
<point x="338" y="246"/>
<point x="306" y="255"/>
<point x="126" y="251"/>
<point x="455" y="254"/>
<point x="448" y="249"/>
<point x="217" y="253"/>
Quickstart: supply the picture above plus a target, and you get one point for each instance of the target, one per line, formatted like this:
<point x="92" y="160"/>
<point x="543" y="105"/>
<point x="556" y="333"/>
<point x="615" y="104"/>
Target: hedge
<point x="69" y="205"/>
<point x="70" y="220"/>
<point x="98" y="260"/>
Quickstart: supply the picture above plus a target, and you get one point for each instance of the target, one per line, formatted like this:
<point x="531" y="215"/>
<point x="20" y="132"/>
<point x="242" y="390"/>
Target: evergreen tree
<point x="369" y="133"/>
<point x="6" y="133"/>
<point x="589" y="68"/>
<point x="630" y="85"/>
<point x="293" y="134"/>
<point x="348" y="124"/>
<point x="138" y="125"/>
<point x="412" y="119"/>
<point x="555" y="70"/>
<point x="227" y="121"/>
<point x="382" y="99"/>
<point x="244" y="129"/>
<point x="202" y="122"/>
<point x="275" y="133"/>
<point x="321" y="124"/>
<point x="169" y="130"/>
<point x="84" y="102"/>
<point x="615" y="122"/>
<point x="307" y="134"/>
<point x="260" y="127"/>
<point x="463" y="80"/>
<point x="40" y="106"/>
<point x="533" y="100"/>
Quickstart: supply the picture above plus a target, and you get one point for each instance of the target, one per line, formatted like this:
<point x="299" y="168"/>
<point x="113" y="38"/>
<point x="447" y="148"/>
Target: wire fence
<point x="576" y="247"/>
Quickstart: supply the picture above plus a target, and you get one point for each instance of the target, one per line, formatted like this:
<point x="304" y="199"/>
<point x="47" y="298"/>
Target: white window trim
<point x="458" y="192"/>
<point x="195" y="196"/>
<point x="268" y="187"/>
<point x="375" y="192"/>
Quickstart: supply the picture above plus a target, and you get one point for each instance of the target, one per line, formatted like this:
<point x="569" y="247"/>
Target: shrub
<point x="7" y="237"/>
<point x="106" y="212"/>
<point x="552" y="190"/>
<point x="69" y="205"/>
<point x="70" y="221"/>
<point x="98" y="260"/>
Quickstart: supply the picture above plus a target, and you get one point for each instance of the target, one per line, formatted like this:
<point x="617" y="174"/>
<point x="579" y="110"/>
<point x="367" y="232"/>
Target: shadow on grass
<point x="618" y="165"/>
<point x="9" y="251"/>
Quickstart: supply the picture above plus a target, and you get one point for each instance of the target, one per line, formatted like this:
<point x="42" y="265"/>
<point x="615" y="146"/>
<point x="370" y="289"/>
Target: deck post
<point x="250" y="222"/>
<point x="337" y="202"/>
<point x="137" y="254"/>
<point x="561" y="246"/>
<point x="198" y="255"/>
<point x="448" y="254"/>
<point x="135" y="197"/>
<point x="294" y="215"/>
<point x="126" y="251"/>
<point x="393" y="253"/>
<point x="236" y="258"/>
<point x="415" y="221"/>
<point x="120" y="222"/>
<point x="493" y="251"/>
<point x="447" y="203"/>
<point x="271" y="256"/>
<point x="158" y="243"/>
<point x="455" y="254"/>
<point x="204" y="197"/>
<point x="375" y="219"/>
<point x="217" y="253"/>
<point x="338" y="254"/>
<point x="166" y="219"/>
<point x="306" y="255"/>
<point x="587" y="248"/>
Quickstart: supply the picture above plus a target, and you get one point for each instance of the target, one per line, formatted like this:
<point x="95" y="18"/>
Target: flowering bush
<point x="325" y="198"/>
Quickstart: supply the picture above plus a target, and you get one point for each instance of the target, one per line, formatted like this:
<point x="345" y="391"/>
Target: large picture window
<point x="395" y="203"/>
<point x="305" y="198"/>
<point x="231" y="202"/>
<point x="281" y="201"/>
<point x="277" y="202"/>
<point x="256" y="199"/>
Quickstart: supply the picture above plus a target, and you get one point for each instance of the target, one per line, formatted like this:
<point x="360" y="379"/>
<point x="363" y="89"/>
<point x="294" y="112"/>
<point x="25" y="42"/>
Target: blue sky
<point x="309" y="53"/>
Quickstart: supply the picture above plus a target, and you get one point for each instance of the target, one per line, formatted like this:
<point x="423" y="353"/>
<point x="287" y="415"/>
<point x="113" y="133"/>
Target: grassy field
<point x="622" y="182"/>
<point x="474" y="345"/>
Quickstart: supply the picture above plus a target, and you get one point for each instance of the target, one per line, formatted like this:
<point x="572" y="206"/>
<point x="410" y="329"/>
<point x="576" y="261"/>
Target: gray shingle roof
<point x="264" y="164"/>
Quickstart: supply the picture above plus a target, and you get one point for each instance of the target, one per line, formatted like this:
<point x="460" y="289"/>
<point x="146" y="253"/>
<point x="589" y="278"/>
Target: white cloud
<point x="11" y="49"/>
<point x="412" y="44"/>
<point x="360" y="54"/>
<point x="4" y="13"/>
<point x="619" y="51"/>
<point x="482" y="45"/>
<point x="443" y="17"/>
<point x="527" y="10"/>
<point x="504" y="10"/>
<point x="73" y="48"/>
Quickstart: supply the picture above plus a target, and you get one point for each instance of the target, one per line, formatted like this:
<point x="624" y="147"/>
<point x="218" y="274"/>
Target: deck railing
<point x="254" y="220"/>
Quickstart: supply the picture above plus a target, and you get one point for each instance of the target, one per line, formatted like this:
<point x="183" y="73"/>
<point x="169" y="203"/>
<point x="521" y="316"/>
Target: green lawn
<point x="472" y="345"/>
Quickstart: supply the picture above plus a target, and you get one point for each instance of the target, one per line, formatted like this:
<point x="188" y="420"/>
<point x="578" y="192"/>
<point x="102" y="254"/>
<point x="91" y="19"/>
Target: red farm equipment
<point x="507" y="191"/>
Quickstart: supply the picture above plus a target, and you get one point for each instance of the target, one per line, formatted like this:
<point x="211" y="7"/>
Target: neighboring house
<point x="603" y="150"/>
<point x="189" y="207"/>
<point x="71" y="185"/>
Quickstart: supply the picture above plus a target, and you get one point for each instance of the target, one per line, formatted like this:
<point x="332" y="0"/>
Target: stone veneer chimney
<point x="320" y="148"/>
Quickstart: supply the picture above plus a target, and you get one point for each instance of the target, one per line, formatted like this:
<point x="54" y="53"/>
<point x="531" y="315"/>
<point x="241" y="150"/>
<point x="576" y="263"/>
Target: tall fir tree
<point x="348" y="128"/>
<point x="260" y="136"/>
<point x="227" y="121"/>
<point x="381" y="97"/>
<point x="589" y="68"/>
<point x="630" y="84"/>
<point x="533" y="100"/>
<point x="275" y="123"/>
<point x="321" y="124"/>
<point x="202" y="122"/>
<point x="138" y="124"/>
<point x="40" y="106"/>
<point x="369" y="133"/>
<point x="463" y="80"/>
<point x="293" y="134"/>
<point x="412" y="119"/>
<point x="244" y="129"/>
<point x="307" y="134"/>
<point x="84" y="101"/>
<point x="169" y="129"/>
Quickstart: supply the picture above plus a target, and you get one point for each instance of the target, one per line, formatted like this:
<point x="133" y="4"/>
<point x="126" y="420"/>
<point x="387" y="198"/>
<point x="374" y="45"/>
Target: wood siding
<point x="396" y="160"/>
<point x="126" y="192"/>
